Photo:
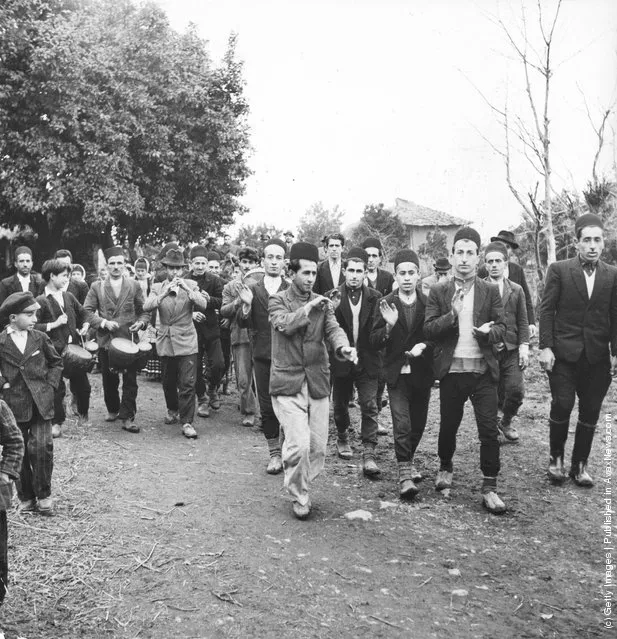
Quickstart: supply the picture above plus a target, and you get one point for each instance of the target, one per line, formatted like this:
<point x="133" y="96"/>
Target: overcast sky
<point x="362" y="101"/>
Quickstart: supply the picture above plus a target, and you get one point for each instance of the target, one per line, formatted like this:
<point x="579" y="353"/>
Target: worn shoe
<point x="203" y="410"/>
<point x="130" y="426"/>
<point x="111" y="417"/>
<point x="300" y="511"/>
<point x="171" y="417"/>
<point x="56" y="430"/>
<point x="492" y="502"/>
<point x="26" y="506"/>
<point x="343" y="449"/>
<point x="416" y="475"/>
<point x="248" y="420"/>
<point x="443" y="480"/>
<point x="215" y="400"/>
<point x="225" y="391"/>
<point x="382" y="430"/>
<point x="509" y="431"/>
<point x="188" y="431"/>
<point x="83" y="421"/>
<point x="408" y="489"/>
<point x="46" y="506"/>
<point x="275" y="465"/>
<point x="370" y="468"/>
<point x="580" y="475"/>
<point x="555" y="471"/>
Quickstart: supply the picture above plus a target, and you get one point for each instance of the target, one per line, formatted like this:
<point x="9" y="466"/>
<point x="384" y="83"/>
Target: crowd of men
<point x="299" y="331"/>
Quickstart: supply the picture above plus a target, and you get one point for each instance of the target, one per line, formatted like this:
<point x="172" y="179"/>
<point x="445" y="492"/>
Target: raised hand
<point x="457" y="301"/>
<point x="389" y="312"/>
<point x="245" y="294"/>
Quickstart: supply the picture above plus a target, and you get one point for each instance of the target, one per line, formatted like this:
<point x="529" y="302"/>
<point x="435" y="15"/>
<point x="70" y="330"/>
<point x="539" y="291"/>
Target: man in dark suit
<point x="253" y="315"/>
<point x="464" y="317"/>
<point x="356" y="309"/>
<point x="407" y="365"/>
<point x="515" y="273"/>
<point x="208" y="332"/>
<point x="578" y="336"/>
<point x="24" y="279"/>
<point x="377" y="278"/>
<point x="513" y="353"/>
<point x="330" y="271"/>
<point x="116" y="309"/>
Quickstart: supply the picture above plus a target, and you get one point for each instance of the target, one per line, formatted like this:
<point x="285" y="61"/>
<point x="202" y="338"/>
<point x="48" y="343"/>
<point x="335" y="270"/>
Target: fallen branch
<point x="388" y="623"/>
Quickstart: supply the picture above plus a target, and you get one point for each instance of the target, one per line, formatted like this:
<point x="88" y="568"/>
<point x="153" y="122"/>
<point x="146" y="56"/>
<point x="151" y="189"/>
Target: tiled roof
<point x="415" y="215"/>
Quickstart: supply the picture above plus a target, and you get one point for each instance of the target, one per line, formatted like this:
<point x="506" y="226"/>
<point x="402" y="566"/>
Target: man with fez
<point x="376" y="277"/>
<point x="464" y="317"/>
<point x="578" y="345"/>
<point x="302" y="322"/>
<point x="116" y="309"/>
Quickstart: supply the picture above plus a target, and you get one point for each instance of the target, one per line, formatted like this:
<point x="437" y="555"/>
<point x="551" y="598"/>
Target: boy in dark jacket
<point x="30" y="371"/>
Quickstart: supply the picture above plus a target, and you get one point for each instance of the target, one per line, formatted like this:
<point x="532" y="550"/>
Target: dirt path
<point x="158" y="536"/>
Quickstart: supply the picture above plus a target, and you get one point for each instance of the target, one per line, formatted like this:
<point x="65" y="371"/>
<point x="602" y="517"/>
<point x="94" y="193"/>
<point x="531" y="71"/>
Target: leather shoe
<point x="382" y="430"/>
<point x="26" y="506"/>
<point x="509" y="432"/>
<point x="275" y="465"/>
<point x="248" y="421"/>
<point x="188" y="431"/>
<point x="555" y="470"/>
<point x="203" y="410"/>
<point x="343" y="449"/>
<point x="130" y="426"/>
<point x="171" y="417"/>
<point x="408" y="489"/>
<point x="416" y="475"/>
<point x="56" y="430"/>
<point x="492" y="502"/>
<point x="111" y="417"/>
<point x="46" y="506"/>
<point x="580" y="475"/>
<point x="215" y="400"/>
<point x="300" y="511"/>
<point x="370" y="468"/>
<point x="443" y="480"/>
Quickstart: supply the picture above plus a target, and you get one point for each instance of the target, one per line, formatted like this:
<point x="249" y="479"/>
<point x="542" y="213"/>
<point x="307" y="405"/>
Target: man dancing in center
<point x="302" y="322"/>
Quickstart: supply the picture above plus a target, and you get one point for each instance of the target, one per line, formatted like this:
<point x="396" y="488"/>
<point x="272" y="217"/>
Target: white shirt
<point x="19" y="338"/>
<point x="335" y="271"/>
<point x="57" y="295"/>
<point x="272" y="284"/>
<point x="24" y="281"/>
<point x="590" y="280"/>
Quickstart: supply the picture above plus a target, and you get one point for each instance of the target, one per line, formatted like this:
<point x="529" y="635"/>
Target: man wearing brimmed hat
<point x="513" y="353"/>
<point x="30" y="371"/>
<point x="399" y="328"/>
<point x="24" y="279"/>
<point x="175" y="301"/>
<point x="289" y="240"/>
<point x="302" y="322"/>
<point x="578" y="345"/>
<point x="515" y="273"/>
<point x="356" y="310"/>
<point x="253" y="314"/>
<point x="116" y="309"/>
<point x="464" y="317"/>
<point x="208" y="331"/>
<point x="441" y="271"/>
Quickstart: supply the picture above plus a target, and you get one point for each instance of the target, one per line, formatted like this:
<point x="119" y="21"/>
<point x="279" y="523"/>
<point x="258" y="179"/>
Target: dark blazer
<point x="12" y="285"/>
<point x="79" y="289"/>
<point x="12" y="443"/>
<point x="515" y="311"/>
<point x="570" y="322"/>
<point x="383" y="283"/>
<point x="213" y="286"/>
<point x="128" y="308"/>
<point x="441" y="326"/>
<point x="369" y="357"/>
<point x="516" y="274"/>
<point x="323" y="281"/>
<point x="257" y="321"/>
<point x="401" y="340"/>
<point x="32" y="375"/>
<point x="50" y="311"/>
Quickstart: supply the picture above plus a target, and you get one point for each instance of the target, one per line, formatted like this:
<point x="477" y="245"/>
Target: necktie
<point x="589" y="267"/>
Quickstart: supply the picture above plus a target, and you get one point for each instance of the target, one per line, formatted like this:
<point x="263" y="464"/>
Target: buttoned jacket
<point x="50" y="311"/>
<point x="32" y="375"/>
<point x="515" y="313"/>
<point x="383" y="282"/>
<point x="175" y="331"/>
<point x="299" y="339"/>
<point x="213" y="286"/>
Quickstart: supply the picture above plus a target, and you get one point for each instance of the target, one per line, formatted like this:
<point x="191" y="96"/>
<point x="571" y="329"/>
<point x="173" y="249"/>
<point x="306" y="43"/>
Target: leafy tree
<point x="436" y="245"/>
<point x="112" y="119"/>
<point x="378" y="221"/>
<point x="319" y="221"/>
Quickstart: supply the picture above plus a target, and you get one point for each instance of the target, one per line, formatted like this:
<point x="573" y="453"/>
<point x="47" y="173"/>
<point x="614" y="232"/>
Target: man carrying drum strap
<point x="115" y="307"/>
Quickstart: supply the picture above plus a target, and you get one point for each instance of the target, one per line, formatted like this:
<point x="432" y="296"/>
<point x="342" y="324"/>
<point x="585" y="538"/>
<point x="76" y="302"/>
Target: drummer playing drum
<point x="64" y="319"/>
<point x="119" y="306"/>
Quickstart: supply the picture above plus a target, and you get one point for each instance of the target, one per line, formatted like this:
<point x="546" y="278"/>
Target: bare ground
<point x="158" y="536"/>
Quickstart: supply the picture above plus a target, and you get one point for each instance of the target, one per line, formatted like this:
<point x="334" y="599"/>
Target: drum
<point x="122" y="353"/>
<point x="76" y="360"/>
<point x="145" y="350"/>
<point x="91" y="346"/>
